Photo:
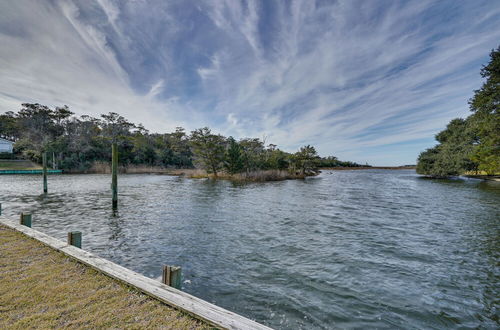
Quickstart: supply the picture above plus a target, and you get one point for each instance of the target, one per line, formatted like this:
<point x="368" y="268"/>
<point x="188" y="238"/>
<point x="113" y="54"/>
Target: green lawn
<point x="6" y="164"/>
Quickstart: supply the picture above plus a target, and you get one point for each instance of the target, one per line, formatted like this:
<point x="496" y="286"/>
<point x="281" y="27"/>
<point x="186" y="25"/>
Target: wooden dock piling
<point x="44" y="161"/>
<point x="75" y="239"/>
<point x="114" y="175"/>
<point x="25" y="219"/>
<point x="172" y="276"/>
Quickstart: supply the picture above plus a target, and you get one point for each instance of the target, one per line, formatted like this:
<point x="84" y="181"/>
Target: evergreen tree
<point x="233" y="161"/>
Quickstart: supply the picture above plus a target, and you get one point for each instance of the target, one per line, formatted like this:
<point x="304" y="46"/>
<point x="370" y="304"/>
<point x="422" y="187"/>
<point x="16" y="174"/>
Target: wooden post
<point x="75" y="239"/>
<point x="114" y="175"/>
<point x="25" y="219"/>
<point x="44" y="160"/>
<point x="172" y="276"/>
<point x="0" y="208"/>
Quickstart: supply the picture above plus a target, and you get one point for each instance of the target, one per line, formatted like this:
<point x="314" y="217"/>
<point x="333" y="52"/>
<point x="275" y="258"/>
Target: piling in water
<point x="75" y="239"/>
<point x="114" y="175"/>
<point x="25" y="219"/>
<point x="172" y="276"/>
<point x="44" y="160"/>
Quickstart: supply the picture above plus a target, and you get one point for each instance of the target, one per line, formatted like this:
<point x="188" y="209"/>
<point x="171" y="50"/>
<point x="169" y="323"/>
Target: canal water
<point x="346" y="249"/>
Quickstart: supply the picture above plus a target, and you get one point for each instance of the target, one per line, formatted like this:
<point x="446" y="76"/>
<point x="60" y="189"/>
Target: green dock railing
<point x="29" y="171"/>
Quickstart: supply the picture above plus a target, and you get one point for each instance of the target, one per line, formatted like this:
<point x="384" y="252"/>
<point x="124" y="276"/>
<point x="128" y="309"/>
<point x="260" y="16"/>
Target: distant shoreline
<point x="257" y="176"/>
<point x="369" y="168"/>
<point x="105" y="168"/>
<point x="193" y="173"/>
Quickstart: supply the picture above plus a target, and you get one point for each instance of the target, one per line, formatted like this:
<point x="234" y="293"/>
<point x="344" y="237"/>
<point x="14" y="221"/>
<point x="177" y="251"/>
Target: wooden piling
<point x="44" y="160"/>
<point x="75" y="239"/>
<point x="172" y="276"/>
<point x="25" y="219"/>
<point x="0" y="208"/>
<point x="114" y="174"/>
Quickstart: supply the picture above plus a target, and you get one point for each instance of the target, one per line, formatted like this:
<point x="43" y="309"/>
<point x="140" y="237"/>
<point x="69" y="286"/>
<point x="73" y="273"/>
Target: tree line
<point x="470" y="145"/>
<point x="76" y="143"/>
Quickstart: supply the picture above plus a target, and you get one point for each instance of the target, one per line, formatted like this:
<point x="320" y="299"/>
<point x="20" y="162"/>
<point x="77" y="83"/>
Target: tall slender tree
<point x="233" y="159"/>
<point x="208" y="149"/>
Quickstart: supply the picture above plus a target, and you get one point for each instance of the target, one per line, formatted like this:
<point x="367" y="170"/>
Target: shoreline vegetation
<point x="83" y="145"/>
<point x="194" y="173"/>
<point x="483" y="177"/>
<point x="73" y="295"/>
<point x="256" y="176"/>
<point x="105" y="168"/>
<point x="470" y="147"/>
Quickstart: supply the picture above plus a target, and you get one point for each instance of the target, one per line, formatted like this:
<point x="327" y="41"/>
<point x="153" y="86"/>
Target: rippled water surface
<point x="347" y="249"/>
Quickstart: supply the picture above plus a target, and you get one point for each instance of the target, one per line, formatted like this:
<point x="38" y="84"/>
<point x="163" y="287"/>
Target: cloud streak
<point x="363" y="80"/>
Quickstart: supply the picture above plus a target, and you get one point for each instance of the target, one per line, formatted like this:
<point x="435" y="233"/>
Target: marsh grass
<point x="254" y="176"/>
<point x="42" y="288"/>
<point x="268" y="175"/>
<point x="105" y="168"/>
<point x="480" y="173"/>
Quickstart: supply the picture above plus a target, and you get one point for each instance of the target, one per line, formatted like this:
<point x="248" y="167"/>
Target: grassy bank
<point x="9" y="164"/>
<point x="105" y="168"/>
<point x="254" y="176"/>
<point x="484" y="177"/>
<point x="41" y="288"/>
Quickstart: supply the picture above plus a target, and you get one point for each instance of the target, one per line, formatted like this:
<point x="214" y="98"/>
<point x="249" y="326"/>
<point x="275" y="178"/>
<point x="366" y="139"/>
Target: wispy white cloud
<point x="206" y="73"/>
<point x="112" y="13"/>
<point x="156" y="88"/>
<point x="358" y="79"/>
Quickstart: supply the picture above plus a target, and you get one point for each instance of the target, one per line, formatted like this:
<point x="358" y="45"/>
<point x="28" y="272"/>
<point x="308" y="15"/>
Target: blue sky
<point x="368" y="81"/>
